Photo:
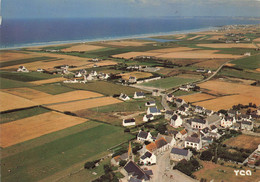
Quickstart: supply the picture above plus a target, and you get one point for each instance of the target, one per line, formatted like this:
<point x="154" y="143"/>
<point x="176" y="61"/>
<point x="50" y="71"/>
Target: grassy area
<point x="169" y="82"/>
<point x="26" y="77"/>
<point x="251" y="62"/>
<point x="53" y="89"/>
<point x="243" y="141"/>
<point x="239" y="74"/>
<point x="27" y="60"/>
<point x="7" y="83"/>
<point x="44" y="160"/>
<point x="181" y="93"/>
<point x="106" y="88"/>
<point x="12" y="116"/>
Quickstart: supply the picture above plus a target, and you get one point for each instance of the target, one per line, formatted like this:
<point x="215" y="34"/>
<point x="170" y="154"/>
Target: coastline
<point x="137" y="36"/>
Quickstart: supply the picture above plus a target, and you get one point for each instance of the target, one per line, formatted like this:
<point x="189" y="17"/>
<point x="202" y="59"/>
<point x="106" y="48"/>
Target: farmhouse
<point x="178" y="154"/>
<point x="176" y="121"/>
<point x="193" y="142"/>
<point x="148" y="158"/>
<point x="148" y="117"/>
<point x="154" y="111"/>
<point x="155" y="93"/>
<point x="129" y="122"/>
<point x="168" y="114"/>
<point x="182" y="134"/>
<point x="132" y="79"/>
<point x="170" y="140"/>
<point x="170" y="97"/>
<point x="198" y="123"/>
<point x="22" y="69"/>
<point x="144" y="136"/>
<point x="150" y="103"/>
<point x="179" y="102"/>
<point x="208" y="112"/>
<point x="78" y="75"/>
<point x="139" y="95"/>
<point x="227" y="121"/>
<point x="124" y="97"/>
<point x="247" y="125"/>
<point x="182" y="110"/>
<point x="134" y="172"/>
<point x="184" y="88"/>
<point x="199" y="109"/>
<point x="115" y="160"/>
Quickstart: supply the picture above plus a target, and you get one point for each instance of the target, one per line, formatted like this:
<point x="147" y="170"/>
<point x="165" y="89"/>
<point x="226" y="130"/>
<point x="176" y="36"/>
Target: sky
<point x="127" y="8"/>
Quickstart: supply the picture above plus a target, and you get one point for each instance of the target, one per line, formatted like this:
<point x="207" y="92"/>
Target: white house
<point x="22" y="69"/>
<point x="169" y="139"/>
<point x="182" y="111"/>
<point x="129" y="122"/>
<point x="90" y="77"/>
<point x="179" y="102"/>
<point x="178" y="154"/>
<point x="227" y="122"/>
<point x="154" y="111"/>
<point x="170" y="97"/>
<point x="198" y="123"/>
<point x="148" y="117"/>
<point x="78" y="75"/>
<point x="193" y="142"/>
<point x="199" y="109"/>
<point x="147" y="159"/>
<point x="247" y="125"/>
<point x="132" y="79"/>
<point x="176" y="121"/>
<point x="40" y="70"/>
<point x="124" y="97"/>
<point x="168" y="114"/>
<point x="182" y="134"/>
<point x="150" y="103"/>
<point x="139" y="95"/>
<point x="144" y="136"/>
<point x="156" y="93"/>
<point x="184" y="88"/>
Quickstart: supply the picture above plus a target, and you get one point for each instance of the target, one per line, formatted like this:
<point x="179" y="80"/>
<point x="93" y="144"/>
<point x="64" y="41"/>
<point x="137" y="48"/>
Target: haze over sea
<point x="32" y="32"/>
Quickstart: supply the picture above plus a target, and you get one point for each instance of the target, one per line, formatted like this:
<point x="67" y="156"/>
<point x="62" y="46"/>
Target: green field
<point x="106" y="88"/>
<point x="12" y="116"/>
<point x="251" y="62"/>
<point x="28" y="60"/>
<point x="169" y="82"/>
<point x="26" y="77"/>
<point x="33" y="164"/>
<point x="240" y="74"/>
<point x="53" y="89"/>
<point x="7" y="83"/>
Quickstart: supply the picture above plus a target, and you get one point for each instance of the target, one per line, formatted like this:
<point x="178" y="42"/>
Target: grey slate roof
<point x="174" y="117"/>
<point x="198" y="120"/>
<point x="136" y="171"/>
<point x="142" y="134"/>
<point x="246" y="122"/>
<point x="129" y="120"/>
<point x="192" y="139"/>
<point x="213" y="118"/>
<point x="149" y="116"/>
<point x="178" y="151"/>
<point x="213" y="127"/>
<point x="169" y="112"/>
<point x="154" y="110"/>
<point x="146" y="155"/>
<point x="140" y="94"/>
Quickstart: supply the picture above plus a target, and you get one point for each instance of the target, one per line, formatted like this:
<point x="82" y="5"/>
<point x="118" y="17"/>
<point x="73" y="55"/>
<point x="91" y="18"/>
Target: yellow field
<point x="240" y="45"/>
<point x="215" y="37"/>
<point x="212" y="63"/>
<point x="129" y="55"/>
<point x="136" y="74"/>
<point x="85" y="104"/>
<point x="244" y="141"/>
<point x="9" y="102"/>
<point x="82" y="47"/>
<point x="192" y="38"/>
<point x="197" y="54"/>
<point x="13" y="55"/>
<point x="32" y="127"/>
<point x="197" y="97"/>
<point x="169" y="50"/>
<point x="26" y="93"/>
<point x="257" y="40"/>
<point x="126" y="43"/>
<point x="52" y="80"/>
<point x="65" y="97"/>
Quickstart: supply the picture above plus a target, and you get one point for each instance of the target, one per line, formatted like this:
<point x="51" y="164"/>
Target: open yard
<point x="197" y="97"/>
<point x="9" y="102"/>
<point x="244" y="141"/>
<point x="84" y="104"/>
<point x="65" y="97"/>
<point x="106" y="88"/>
<point x="169" y="82"/>
<point x="32" y="127"/>
<point x="61" y="151"/>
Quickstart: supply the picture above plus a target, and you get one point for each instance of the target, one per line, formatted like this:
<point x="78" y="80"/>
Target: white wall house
<point x="129" y="122"/>
<point x="148" y="158"/>
<point x="139" y="95"/>
<point x="144" y="136"/>
<point x="227" y="121"/>
<point x="124" y="97"/>
<point x="178" y="154"/>
<point x="148" y="117"/>
<point x="154" y="111"/>
<point x="176" y="121"/>
<point x="193" y="142"/>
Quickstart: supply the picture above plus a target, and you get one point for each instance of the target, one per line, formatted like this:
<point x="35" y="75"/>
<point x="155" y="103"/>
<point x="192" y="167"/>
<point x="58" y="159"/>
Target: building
<point x="227" y="121"/>
<point x="178" y="154"/>
<point x="199" y="109"/>
<point x="148" y="117"/>
<point x="184" y="88"/>
<point x="129" y="122"/>
<point x="132" y="79"/>
<point x="198" y="123"/>
<point x="139" y="95"/>
<point x="168" y="114"/>
<point x="150" y="103"/>
<point x="179" y="102"/>
<point x="115" y="160"/>
<point x="176" y="121"/>
<point x="144" y="136"/>
<point x="232" y="113"/>
<point x="124" y="97"/>
<point x="148" y="158"/>
<point x="213" y="119"/>
<point x="155" y="93"/>
<point x="154" y="111"/>
<point x="22" y="69"/>
<point x="182" y="134"/>
<point x="247" y="125"/>
<point x="134" y="172"/>
<point x="170" y="97"/>
<point x="193" y="142"/>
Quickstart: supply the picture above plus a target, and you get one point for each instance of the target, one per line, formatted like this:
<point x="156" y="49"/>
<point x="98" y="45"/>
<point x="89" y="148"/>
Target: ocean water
<point x="32" y="32"/>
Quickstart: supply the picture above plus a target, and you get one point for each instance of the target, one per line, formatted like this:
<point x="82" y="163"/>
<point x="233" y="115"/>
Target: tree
<point x="89" y="165"/>
<point x="127" y="130"/>
<point x="206" y="155"/>
<point x="161" y="128"/>
<point x="122" y="163"/>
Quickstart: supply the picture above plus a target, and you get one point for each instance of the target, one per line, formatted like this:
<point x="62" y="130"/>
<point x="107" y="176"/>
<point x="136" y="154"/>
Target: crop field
<point x="136" y="74"/>
<point x="84" y="104"/>
<point x="219" y="173"/>
<point x="244" y="141"/>
<point x="26" y="77"/>
<point x="168" y="50"/>
<point x="240" y="74"/>
<point x="27" y="93"/>
<point x="211" y="64"/>
<point x="197" y="97"/>
<point x="129" y="55"/>
<point x="60" y="150"/>
<point x="251" y="62"/>
<point x="169" y="82"/>
<point x="105" y="88"/>
<point x="52" y="80"/>
<point x="216" y="37"/>
<point x="9" y="102"/>
<point x="32" y="127"/>
<point x="13" y="55"/>
<point x="126" y="43"/>
<point x="7" y="83"/>
<point x="82" y="47"/>
<point x="12" y="116"/>
<point x="220" y="45"/>
<point x="53" y="88"/>
<point x="65" y="97"/>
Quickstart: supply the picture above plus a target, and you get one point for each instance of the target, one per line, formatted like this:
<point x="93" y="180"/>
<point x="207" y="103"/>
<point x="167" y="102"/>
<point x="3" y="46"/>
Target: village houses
<point x="178" y="154"/>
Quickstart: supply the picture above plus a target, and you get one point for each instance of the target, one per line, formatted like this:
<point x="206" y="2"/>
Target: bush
<point x="127" y="130"/>
<point x="89" y="165"/>
<point x="206" y="155"/>
<point x="122" y="163"/>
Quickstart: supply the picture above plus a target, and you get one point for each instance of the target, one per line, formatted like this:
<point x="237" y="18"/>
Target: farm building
<point x="132" y="79"/>
<point x="168" y="114"/>
<point x="133" y="172"/>
<point x="154" y="111"/>
<point x="155" y="93"/>
<point x="247" y="125"/>
<point x="170" y="97"/>
<point x="227" y="122"/>
<point x="144" y="136"/>
<point x="124" y="97"/>
<point x="129" y="122"/>
<point x="139" y="95"/>
<point x="22" y="69"/>
<point x="198" y="123"/>
<point x="148" y="117"/>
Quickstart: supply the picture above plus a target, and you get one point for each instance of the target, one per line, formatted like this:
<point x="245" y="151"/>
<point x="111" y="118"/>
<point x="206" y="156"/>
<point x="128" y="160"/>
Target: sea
<point x="17" y="33"/>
